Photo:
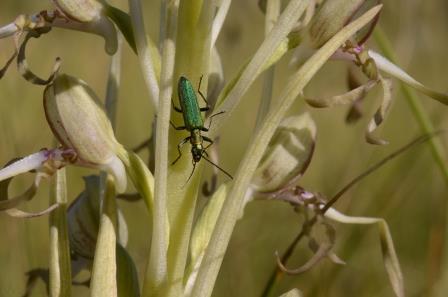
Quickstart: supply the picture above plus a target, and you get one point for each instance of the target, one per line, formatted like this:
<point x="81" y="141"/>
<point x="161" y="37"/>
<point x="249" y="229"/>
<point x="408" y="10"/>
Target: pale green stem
<point x="279" y="32"/>
<point x="156" y="271"/>
<point x="60" y="265"/>
<point x="192" y="60"/>
<point x="272" y="14"/>
<point x="435" y="145"/>
<point x="232" y="206"/>
<point x="104" y="271"/>
<point x="144" y="51"/>
<point x="219" y="19"/>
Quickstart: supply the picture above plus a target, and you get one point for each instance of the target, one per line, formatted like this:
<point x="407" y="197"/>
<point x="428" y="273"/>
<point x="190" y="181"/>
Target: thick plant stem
<point x="192" y="58"/>
<point x="215" y="251"/>
<point x="60" y="265"/>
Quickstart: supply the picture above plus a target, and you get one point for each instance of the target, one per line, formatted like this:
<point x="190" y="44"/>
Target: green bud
<point x="287" y="155"/>
<point x="81" y="10"/>
<point x="78" y="121"/>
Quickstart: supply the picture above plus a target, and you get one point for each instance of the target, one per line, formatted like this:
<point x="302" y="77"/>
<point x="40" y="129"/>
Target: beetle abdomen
<point x="189" y="104"/>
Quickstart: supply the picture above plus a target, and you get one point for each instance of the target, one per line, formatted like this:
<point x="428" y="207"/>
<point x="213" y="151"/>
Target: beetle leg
<point x="202" y="95"/>
<point x="211" y="118"/>
<point x="205" y="138"/>
<point x="179" y="146"/>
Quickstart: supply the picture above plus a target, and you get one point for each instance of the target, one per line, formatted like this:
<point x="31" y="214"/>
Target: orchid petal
<point x="390" y="68"/>
<point x="23" y="165"/>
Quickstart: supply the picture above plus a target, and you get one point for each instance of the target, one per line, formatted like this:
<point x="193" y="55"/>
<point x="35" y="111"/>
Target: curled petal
<point x="17" y="213"/>
<point x="321" y="253"/>
<point x="23" y="65"/>
<point x="6" y="203"/>
<point x="346" y="98"/>
<point x="380" y="114"/>
<point x="355" y="112"/>
<point x="9" y="204"/>
<point x="390" y="258"/>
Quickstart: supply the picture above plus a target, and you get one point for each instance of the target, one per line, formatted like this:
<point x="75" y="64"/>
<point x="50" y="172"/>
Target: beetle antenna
<point x="393" y="155"/>
<point x="222" y="170"/>
<point x="191" y="174"/>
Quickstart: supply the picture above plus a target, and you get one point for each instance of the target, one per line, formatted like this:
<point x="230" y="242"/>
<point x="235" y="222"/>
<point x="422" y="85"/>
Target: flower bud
<point x="287" y="155"/>
<point x="81" y="10"/>
<point x="332" y="16"/>
<point x="78" y="121"/>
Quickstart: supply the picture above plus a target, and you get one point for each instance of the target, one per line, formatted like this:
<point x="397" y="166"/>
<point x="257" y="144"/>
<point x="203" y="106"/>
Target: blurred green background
<point x="409" y="192"/>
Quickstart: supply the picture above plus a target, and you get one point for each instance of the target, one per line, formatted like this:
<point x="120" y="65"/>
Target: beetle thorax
<point x="196" y="145"/>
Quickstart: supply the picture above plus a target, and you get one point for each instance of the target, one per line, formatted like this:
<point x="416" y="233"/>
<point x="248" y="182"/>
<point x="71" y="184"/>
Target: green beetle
<point x="193" y="123"/>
